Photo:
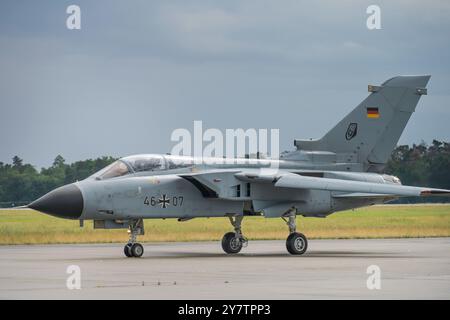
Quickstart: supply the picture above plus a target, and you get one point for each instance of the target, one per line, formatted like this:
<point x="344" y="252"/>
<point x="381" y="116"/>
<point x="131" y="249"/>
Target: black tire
<point x="296" y="243"/>
<point x="127" y="250"/>
<point x="231" y="244"/>
<point x="137" y="250"/>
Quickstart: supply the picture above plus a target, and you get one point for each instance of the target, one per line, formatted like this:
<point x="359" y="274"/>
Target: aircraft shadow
<point x="281" y="255"/>
<point x="160" y="255"/>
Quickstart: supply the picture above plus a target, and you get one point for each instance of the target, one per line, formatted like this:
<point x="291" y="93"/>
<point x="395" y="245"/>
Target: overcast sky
<point x="137" y="70"/>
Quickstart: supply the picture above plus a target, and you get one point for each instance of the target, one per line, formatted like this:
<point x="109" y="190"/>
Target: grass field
<point x="389" y="221"/>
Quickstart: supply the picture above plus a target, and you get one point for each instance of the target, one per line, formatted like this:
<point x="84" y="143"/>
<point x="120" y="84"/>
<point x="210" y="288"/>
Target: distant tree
<point x="17" y="162"/>
<point x="439" y="164"/>
<point x="59" y="161"/>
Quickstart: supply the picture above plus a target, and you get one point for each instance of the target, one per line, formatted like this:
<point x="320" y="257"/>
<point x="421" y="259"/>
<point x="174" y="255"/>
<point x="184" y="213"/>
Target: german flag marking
<point x="373" y="113"/>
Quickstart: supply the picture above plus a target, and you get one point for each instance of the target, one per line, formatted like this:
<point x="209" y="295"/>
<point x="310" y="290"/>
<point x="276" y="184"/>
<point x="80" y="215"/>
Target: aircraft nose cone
<point x="64" y="202"/>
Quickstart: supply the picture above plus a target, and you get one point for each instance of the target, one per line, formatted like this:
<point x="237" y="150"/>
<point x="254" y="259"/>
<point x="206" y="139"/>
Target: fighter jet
<point x="340" y="171"/>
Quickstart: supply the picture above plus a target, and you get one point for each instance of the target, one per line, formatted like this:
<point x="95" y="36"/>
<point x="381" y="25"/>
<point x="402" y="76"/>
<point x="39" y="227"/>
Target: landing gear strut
<point x="233" y="242"/>
<point x="132" y="248"/>
<point x="296" y="243"/>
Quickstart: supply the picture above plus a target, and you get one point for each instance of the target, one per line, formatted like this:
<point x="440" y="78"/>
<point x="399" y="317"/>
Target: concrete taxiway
<point x="332" y="269"/>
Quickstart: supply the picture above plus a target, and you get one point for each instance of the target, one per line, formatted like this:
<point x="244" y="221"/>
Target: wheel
<point x="127" y="250"/>
<point x="231" y="244"/>
<point x="296" y="243"/>
<point x="137" y="250"/>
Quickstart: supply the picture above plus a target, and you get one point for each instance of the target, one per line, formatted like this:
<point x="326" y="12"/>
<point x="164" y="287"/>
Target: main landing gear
<point x="132" y="248"/>
<point x="233" y="242"/>
<point x="296" y="243"/>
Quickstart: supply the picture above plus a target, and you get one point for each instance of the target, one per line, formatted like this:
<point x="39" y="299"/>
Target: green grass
<point x="389" y="221"/>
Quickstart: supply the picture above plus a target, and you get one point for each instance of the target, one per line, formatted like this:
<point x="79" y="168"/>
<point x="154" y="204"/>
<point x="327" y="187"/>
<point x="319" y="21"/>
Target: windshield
<point x="115" y="169"/>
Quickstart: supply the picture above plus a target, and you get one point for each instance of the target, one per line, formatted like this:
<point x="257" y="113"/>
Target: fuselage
<point x="158" y="186"/>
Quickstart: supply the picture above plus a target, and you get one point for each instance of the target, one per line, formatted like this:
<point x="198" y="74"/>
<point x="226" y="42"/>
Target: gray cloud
<point x="137" y="70"/>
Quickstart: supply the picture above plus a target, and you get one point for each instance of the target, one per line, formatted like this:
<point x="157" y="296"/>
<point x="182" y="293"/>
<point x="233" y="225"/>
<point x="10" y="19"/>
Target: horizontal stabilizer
<point x="338" y="185"/>
<point x="356" y="195"/>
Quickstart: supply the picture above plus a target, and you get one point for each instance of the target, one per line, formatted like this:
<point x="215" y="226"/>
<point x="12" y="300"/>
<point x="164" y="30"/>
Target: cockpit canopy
<point x="142" y="163"/>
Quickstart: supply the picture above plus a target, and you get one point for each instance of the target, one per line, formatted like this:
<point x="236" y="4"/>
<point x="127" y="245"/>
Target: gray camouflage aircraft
<point x="338" y="172"/>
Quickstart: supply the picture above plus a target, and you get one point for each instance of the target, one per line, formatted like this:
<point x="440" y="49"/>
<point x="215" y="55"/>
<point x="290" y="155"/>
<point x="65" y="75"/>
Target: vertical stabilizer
<point x="371" y="131"/>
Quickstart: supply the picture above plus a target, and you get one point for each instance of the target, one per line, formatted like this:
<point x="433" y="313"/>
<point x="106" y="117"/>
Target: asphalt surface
<point x="332" y="269"/>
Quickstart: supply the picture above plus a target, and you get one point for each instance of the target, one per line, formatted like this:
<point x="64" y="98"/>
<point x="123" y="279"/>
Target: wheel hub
<point x="299" y="244"/>
<point x="235" y="243"/>
<point x="138" y="250"/>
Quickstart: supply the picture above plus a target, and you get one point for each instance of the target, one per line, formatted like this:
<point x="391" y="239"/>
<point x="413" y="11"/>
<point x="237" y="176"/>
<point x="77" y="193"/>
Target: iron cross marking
<point x="164" y="201"/>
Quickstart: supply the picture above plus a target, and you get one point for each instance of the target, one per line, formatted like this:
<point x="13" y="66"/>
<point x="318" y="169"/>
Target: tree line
<point x="20" y="183"/>
<point x="422" y="165"/>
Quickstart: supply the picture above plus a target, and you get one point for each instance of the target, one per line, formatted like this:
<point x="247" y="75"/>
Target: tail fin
<point x="371" y="131"/>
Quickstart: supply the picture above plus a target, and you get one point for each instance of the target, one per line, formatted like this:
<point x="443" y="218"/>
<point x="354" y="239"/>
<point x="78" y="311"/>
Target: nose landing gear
<point x="132" y="248"/>
<point x="233" y="242"/>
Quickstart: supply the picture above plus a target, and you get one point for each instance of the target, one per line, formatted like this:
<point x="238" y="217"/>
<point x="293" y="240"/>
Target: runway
<point x="332" y="269"/>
